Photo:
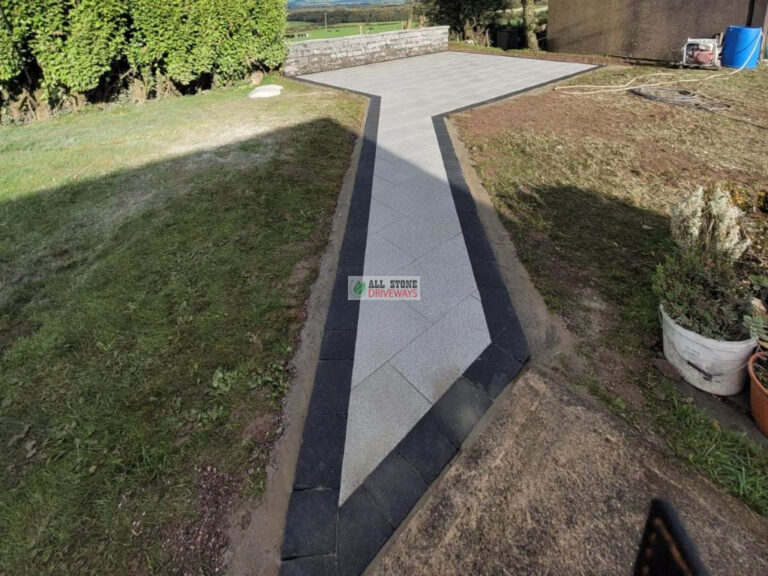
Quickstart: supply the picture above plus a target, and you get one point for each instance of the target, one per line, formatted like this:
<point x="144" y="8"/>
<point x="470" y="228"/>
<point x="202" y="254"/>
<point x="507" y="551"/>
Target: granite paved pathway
<point x="400" y="384"/>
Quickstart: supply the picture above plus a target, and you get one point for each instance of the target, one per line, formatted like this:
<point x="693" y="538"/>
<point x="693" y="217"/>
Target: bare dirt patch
<point x="194" y="548"/>
<point x="557" y="486"/>
<point x="556" y="112"/>
<point x="638" y="140"/>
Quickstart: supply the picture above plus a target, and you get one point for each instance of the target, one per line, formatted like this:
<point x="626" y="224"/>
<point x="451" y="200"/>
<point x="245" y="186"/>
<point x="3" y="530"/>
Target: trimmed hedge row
<point x="74" y="47"/>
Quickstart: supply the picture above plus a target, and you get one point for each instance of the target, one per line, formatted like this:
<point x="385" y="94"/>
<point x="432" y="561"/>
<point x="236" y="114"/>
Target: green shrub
<point x="270" y="29"/>
<point x="225" y="38"/>
<point x="697" y="284"/>
<point x="11" y="64"/>
<point x="78" y="46"/>
<point x="701" y="297"/>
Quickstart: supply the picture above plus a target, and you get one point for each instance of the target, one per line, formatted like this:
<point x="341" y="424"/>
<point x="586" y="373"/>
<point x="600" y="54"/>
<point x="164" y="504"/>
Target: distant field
<point x="302" y="4"/>
<point x="316" y="32"/>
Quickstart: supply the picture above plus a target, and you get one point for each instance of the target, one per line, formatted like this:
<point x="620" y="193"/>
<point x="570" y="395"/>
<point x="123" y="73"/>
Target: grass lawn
<point x="317" y="32"/>
<point x="154" y="264"/>
<point x="584" y="184"/>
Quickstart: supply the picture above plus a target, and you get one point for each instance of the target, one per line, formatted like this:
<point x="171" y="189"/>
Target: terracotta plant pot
<point x="758" y="395"/>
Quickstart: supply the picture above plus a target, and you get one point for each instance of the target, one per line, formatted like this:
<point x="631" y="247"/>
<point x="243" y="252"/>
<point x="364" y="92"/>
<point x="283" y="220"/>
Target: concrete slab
<point x="382" y="409"/>
<point x="389" y="327"/>
<point x="434" y="360"/>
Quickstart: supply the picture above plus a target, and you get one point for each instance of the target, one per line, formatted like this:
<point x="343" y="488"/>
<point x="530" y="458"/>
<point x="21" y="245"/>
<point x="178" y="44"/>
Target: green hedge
<point x="78" y="46"/>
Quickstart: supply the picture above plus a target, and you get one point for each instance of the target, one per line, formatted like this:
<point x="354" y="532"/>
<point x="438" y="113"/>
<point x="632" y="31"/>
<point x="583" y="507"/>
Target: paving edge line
<point x="320" y="537"/>
<point x="266" y="522"/>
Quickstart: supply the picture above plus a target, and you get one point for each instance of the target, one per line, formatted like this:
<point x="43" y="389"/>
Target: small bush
<point x="757" y="321"/>
<point x="710" y="224"/>
<point x="697" y="284"/>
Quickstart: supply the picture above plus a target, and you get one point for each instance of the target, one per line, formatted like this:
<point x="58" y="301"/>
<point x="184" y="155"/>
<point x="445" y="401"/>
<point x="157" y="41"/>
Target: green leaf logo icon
<point x="359" y="288"/>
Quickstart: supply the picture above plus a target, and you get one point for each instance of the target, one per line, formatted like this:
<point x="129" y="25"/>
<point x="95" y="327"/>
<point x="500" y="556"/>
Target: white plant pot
<point x="715" y="366"/>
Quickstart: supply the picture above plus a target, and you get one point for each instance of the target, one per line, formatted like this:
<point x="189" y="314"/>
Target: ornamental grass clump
<point x="697" y="284"/>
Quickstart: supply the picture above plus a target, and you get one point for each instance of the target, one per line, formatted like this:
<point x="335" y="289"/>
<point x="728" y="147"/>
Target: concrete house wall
<point x="652" y="29"/>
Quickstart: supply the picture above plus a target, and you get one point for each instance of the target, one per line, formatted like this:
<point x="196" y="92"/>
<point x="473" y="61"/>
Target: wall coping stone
<point x="323" y="54"/>
<point x="374" y="35"/>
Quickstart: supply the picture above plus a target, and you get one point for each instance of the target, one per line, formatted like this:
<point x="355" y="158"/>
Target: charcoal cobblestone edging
<point x="332" y="53"/>
<point x="312" y="522"/>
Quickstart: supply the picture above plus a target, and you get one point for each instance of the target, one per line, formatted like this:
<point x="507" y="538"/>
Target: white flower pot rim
<point x="714" y="341"/>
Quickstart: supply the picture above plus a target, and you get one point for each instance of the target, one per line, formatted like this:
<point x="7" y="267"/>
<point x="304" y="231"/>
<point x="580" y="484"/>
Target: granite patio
<point x="401" y="384"/>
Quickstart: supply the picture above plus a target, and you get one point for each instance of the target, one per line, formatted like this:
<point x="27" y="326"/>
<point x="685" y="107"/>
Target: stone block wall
<point x="332" y="53"/>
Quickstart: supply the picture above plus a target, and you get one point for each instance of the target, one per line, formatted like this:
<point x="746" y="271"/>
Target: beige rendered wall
<point x="653" y="29"/>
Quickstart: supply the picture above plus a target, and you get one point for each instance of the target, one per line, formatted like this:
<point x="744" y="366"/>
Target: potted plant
<point x="757" y="323"/>
<point x="758" y="391"/>
<point x="702" y="302"/>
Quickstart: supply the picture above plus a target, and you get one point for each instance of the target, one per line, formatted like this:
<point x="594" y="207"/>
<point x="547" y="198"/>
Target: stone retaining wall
<point x="332" y="53"/>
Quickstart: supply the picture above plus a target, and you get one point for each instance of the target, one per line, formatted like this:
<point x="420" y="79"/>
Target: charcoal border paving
<point x="369" y="516"/>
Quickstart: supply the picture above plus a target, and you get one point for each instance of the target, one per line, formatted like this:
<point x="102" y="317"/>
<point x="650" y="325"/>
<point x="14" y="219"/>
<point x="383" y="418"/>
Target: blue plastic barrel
<point x="742" y="46"/>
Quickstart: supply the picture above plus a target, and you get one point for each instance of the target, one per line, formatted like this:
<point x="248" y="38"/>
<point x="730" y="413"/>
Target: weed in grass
<point x="611" y="401"/>
<point x="729" y="458"/>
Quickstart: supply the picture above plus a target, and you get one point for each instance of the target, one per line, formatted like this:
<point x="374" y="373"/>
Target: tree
<point x="465" y="16"/>
<point x="529" y="24"/>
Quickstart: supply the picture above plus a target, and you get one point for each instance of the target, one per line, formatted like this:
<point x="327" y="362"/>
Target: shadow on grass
<point x="572" y="238"/>
<point x="146" y="316"/>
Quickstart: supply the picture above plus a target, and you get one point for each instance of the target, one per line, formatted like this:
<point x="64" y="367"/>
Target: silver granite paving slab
<point x="383" y="257"/>
<point x="446" y="275"/>
<point x="422" y="200"/>
<point x="390" y="327"/>
<point x="434" y="360"/>
<point x="382" y="409"/>
<point x="419" y="236"/>
<point x="381" y="215"/>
